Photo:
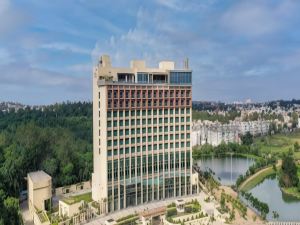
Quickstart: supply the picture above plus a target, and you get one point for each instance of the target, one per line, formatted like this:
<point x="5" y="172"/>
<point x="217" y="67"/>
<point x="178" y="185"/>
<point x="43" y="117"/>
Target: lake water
<point x="227" y="169"/>
<point x="269" y="192"/>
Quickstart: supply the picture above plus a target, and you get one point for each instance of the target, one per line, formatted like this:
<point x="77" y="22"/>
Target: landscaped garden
<point x="87" y="197"/>
<point x="190" y="211"/>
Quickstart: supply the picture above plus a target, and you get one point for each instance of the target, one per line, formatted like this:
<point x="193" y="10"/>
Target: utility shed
<point x="39" y="186"/>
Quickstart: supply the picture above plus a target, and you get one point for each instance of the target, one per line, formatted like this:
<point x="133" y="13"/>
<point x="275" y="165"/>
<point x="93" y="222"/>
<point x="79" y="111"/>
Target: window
<point x="115" y="114"/>
<point x="109" y="143"/>
<point x="132" y="113"/>
<point x="180" y="77"/>
<point x="115" y="123"/>
<point x="142" y="77"/>
<point x="108" y="133"/>
<point x="132" y="140"/>
<point x="126" y="113"/>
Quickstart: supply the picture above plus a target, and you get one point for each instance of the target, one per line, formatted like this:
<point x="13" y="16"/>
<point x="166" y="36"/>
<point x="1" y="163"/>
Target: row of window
<point x="149" y="112"/>
<point x="149" y="103"/>
<point x="154" y="147"/>
<point x="148" y="93"/>
<point x="120" y="133"/>
<point x="138" y="122"/>
<point x="147" y="164"/>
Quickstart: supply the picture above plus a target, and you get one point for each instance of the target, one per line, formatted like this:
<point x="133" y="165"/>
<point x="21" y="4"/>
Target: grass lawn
<point x="292" y="191"/>
<point x="87" y="197"/>
<point x="278" y="143"/>
<point x="256" y="179"/>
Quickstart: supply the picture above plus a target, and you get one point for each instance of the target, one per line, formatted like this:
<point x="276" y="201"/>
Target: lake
<point x="269" y="192"/>
<point x="227" y="169"/>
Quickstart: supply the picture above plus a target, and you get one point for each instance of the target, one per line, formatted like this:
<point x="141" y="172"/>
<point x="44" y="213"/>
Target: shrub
<point x="171" y="212"/>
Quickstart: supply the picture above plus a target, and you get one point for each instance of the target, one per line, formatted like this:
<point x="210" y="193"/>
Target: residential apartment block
<point x="142" y="133"/>
<point x="214" y="133"/>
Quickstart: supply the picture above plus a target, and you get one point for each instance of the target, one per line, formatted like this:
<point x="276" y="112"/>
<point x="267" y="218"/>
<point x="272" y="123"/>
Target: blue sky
<point x="237" y="49"/>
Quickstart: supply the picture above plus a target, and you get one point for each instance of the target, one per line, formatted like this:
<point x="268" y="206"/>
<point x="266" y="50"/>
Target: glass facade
<point x="142" y="77"/>
<point x="161" y="170"/>
<point x="178" y="77"/>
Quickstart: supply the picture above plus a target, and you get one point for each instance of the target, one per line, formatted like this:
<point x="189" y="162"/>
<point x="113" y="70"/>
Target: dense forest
<point x="56" y="139"/>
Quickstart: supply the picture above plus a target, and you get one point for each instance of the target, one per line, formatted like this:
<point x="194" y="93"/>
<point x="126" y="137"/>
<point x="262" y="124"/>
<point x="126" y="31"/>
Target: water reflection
<point x="226" y="169"/>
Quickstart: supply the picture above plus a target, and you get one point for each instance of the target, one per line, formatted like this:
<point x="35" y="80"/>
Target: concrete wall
<point x="69" y="209"/>
<point x="73" y="188"/>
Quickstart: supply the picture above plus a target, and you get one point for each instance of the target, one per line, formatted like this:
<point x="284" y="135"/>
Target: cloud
<point x="5" y="56"/>
<point x="33" y="85"/>
<point x="81" y="68"/>
<point x="258" y="17"/>
<point x="61" y="46"/>
<point x="11" y="18"/>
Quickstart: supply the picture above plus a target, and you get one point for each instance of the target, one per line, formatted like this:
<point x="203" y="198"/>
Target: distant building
<point x="214" y="133"/>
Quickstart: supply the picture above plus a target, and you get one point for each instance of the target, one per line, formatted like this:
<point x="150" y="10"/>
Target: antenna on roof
<point x="186" y="63"/>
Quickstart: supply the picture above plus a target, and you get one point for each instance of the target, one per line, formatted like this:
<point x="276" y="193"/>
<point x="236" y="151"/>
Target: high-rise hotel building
<point x="142" y="134"/>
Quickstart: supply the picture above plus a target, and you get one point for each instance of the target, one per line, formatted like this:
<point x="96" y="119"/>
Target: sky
<point x="236" y="49"/>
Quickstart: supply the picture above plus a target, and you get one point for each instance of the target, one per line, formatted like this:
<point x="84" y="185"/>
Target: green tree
<point x="247" y="139"/>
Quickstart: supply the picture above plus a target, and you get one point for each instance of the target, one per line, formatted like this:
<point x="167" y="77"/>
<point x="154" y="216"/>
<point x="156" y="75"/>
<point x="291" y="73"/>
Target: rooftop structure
<point x="39" y="192"/>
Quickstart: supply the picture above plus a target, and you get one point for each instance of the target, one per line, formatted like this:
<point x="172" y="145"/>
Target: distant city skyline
<point x="238" y="49"/>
